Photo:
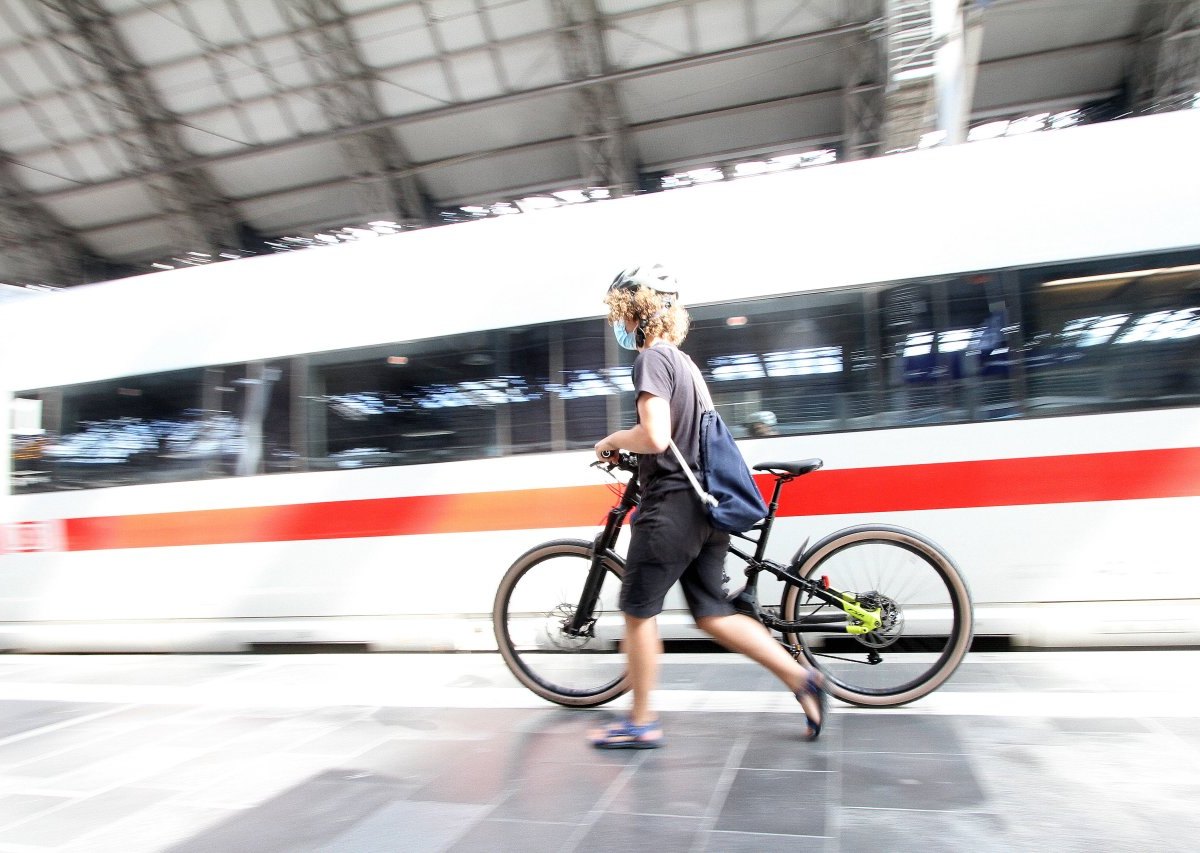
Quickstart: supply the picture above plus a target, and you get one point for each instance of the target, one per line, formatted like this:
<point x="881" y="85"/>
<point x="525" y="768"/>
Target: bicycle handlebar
<point x="625" y="460"/>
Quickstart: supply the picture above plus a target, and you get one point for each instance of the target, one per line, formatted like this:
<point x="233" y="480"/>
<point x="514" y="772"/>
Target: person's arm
<point x="652" y="433"/>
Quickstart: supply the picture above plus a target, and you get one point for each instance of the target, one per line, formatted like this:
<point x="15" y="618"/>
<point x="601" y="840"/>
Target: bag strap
<point x="697" y="384"/>
<point x="687" y="469"/>
<point x="706" y="403"/>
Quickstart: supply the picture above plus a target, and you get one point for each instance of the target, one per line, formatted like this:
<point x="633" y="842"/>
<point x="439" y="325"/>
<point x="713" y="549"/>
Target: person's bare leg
<point x="740" y="633"/>
<point x="642" y="646"/>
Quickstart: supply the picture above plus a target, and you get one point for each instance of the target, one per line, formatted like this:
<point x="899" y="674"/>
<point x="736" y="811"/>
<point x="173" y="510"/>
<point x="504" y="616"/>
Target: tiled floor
<point x="374" y="753"/>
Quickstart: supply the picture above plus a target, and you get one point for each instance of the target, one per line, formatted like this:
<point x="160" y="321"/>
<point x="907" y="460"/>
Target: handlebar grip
<point x="607" y="454"/>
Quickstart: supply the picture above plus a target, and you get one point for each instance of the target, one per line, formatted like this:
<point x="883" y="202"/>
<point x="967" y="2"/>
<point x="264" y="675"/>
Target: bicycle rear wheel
<point x="926" y="607"/>
<point x="534" y="604"/>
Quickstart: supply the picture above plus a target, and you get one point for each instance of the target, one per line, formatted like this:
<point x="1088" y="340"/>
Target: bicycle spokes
<point x="903" y="624"/>
<point x="557" y="655"/>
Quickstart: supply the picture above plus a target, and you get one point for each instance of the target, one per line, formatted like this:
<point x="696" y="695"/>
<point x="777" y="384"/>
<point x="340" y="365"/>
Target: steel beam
<point x="1168" y="74"/>
<point x="37" y="248"/>
<point x="602" y="141"/>
<point x="1010" y="110"/>
<point x="322" y="31"/>
<point x="908" y="99"/>
<point x="198" y="162"/>
<point x="146" y="130"/>
<point x="862" y="95"/>
<point x="933" y="54"/>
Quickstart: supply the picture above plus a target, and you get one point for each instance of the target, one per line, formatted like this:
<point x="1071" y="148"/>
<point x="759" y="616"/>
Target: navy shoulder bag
<point x="730" y="496"/>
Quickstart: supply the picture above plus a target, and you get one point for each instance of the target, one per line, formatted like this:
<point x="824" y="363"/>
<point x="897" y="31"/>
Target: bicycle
<point x="882" y="611"/>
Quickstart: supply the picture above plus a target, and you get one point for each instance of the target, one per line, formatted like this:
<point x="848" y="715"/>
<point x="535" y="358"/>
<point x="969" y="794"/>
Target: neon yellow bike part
<point x="863" y="621"/>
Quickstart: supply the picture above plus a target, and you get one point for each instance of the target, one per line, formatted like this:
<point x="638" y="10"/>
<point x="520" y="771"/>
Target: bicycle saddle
<point x="794" y="469"/>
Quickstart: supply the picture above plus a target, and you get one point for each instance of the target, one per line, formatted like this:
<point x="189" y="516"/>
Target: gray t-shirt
<point x="664" y="371"/>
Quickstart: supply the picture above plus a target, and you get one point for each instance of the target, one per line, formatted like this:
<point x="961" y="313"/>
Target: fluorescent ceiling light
<point x="1120" y="276"/>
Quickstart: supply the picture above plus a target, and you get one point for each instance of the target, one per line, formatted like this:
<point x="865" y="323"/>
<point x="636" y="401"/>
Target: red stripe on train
<point x="1128" y="475"/>
<point x="462" y="513"/>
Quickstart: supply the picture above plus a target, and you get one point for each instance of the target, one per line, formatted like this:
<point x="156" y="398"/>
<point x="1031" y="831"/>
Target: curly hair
<point x="661" y="315"/>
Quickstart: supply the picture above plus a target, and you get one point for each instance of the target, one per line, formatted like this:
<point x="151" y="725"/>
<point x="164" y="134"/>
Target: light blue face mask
<point x="625" y="338"/>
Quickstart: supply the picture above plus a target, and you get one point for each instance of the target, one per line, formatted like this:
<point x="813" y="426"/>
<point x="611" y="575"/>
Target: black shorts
<point x="673" y="541"/>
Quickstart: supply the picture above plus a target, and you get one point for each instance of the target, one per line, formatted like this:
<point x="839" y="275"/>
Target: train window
<point x="624" y="411"/>
<point x="909" y="355"/>
<point x="584" y="383"/>
<point x="158" y="428"/>
<point x="1104" y="339"/>
<point x="786" y="365"/>
<point x="525" y="358"/>
<point x="947" y="350"/>
<point x="460" y="397"/>
<point x="125" y="431"/>
<point x="30" y="437"/>
<point x="256" y="399"/>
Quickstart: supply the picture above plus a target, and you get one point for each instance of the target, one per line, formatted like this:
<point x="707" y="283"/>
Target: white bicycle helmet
<point x="653" y="276"/>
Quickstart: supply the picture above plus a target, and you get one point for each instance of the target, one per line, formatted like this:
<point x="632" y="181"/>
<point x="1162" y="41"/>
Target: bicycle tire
<point x="535" y="597"/>
<point x="938" y="603"/>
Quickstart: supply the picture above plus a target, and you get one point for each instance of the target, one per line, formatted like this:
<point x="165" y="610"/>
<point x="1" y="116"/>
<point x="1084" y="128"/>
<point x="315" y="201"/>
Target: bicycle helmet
<point x="653" y="276"/>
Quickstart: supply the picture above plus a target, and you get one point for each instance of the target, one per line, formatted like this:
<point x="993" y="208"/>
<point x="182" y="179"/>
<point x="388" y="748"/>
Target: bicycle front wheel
<point x="535" y="603"/>
<point x="927" y="616"/>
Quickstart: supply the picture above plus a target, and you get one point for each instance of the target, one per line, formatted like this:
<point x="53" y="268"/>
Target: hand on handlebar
<point x="621" y="459"/>
<point x="610" y="456"/>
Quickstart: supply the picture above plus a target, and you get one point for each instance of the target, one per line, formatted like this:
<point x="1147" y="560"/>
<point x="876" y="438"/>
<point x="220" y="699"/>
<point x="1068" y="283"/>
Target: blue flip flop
<point x="816" y="691"/>
<point x="627" y="735"/>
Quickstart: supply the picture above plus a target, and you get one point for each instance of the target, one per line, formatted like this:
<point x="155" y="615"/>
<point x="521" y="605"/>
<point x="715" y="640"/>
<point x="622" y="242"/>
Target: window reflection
<point x="798" y="363"/>
<point x="1093" y="331"/>
<point x="1163" y="326"/>
<point x="726" y="368"/>
<point x="182" y="425"/>
<point x="1104" y="340"/>
<point x="803" y="362"/>
<point x="946" y="348"/>
<point x="588" y="388"/>
<point x="523" y="361"/>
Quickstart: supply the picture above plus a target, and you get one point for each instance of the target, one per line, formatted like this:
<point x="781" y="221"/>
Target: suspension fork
<point x="583" y="620"/>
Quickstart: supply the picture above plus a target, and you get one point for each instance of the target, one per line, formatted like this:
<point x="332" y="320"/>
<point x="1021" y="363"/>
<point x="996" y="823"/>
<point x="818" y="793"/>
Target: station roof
<point x="135" y="132"/>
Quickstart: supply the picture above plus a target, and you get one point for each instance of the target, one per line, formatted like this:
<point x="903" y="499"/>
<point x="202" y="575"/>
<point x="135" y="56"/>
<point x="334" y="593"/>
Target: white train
<point x="996" y="344"/>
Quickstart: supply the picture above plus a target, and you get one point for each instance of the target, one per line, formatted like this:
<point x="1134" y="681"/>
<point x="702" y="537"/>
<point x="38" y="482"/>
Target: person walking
<point x="672" y="539"/>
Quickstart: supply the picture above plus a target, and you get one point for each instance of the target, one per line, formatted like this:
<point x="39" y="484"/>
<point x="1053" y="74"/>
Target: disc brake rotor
<point x="891" y="620"/>
<point x="555" y="629"/>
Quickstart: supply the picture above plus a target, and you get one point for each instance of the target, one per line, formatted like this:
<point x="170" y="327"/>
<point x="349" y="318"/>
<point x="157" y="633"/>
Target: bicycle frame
<point x="854" y="618"/>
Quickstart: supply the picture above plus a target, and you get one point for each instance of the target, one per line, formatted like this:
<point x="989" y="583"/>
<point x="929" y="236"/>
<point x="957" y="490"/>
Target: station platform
<point x="373" y="753"/>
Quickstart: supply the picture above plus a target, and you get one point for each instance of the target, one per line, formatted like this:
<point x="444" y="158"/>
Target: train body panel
<point x="1062" y="479"/>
